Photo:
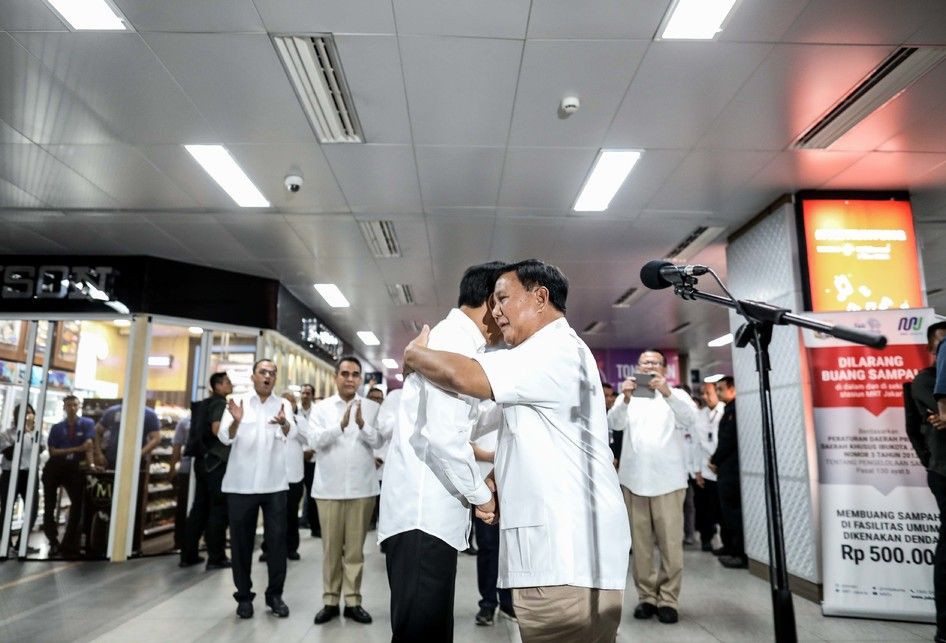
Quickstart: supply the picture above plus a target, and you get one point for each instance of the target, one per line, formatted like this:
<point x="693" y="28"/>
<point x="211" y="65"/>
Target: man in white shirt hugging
<point x="564" y="535"/>
<point x="653" y="473"/>
<point x="344" y="435"/>
<point x="256" y="426"/>
<point x="432" y="477"/>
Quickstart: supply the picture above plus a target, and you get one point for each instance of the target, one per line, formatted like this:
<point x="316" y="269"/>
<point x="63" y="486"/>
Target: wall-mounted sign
<point x="57" y="282"/>
<point x="858" y="252"/>
<point x="317" y="335"/>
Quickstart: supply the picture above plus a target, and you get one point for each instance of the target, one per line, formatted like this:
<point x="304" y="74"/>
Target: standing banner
<point x="879" y="521"/>
<point x="617" y="364"/>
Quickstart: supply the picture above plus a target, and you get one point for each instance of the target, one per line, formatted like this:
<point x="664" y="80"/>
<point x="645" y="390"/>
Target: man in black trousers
<point x="208" y="514"/>
<point x="257" y="426"/>
<point x="725" y="462"/>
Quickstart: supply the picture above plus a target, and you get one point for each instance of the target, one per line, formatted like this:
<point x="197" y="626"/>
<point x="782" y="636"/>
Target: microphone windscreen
<point x="651" y="277"/>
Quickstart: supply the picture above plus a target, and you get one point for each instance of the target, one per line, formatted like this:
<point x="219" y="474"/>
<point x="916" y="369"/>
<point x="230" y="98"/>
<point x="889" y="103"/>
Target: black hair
<point x="478" y="282"/>
<point x="348" y="358"/>
<point x="533" y="273"/>
<point x="729" y="381"/>
<point x="16" y="411"/>
<point x="217" y="378"/>
<point x="607" y="385"/>
<point x="931" y="330"/>
<point x="260" y="361"/>
<point x="69" y="398"/>
<point x="373" y="389"/>
<point x="686" y="388"/>
<point x="310" y="387"/>
<point x="658" y="351"/>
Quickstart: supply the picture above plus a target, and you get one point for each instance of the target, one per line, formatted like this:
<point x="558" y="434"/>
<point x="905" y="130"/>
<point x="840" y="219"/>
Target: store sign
<point x="617" y="364"/>
<point x="859" y="254"/>
<point x="58" y="282"/>
<point x="879" y="521"/>
<point x="317" y="335"/>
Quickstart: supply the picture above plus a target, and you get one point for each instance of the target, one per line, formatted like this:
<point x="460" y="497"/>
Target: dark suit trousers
<point x="244" y="512"/>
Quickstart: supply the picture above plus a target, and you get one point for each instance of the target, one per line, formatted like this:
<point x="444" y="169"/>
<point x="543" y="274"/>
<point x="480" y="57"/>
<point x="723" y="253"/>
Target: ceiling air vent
<point x="401" y="294"/>
<point x="693" y="243"/>
<point x="594" y="327"/>
<point x="629" y="297"/>
<point x="313" y="68"/>
<point x="381" y="238"/>
<point x="898" y="71"/>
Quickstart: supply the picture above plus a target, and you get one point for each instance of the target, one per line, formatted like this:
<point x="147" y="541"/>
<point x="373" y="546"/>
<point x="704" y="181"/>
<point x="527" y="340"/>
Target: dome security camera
<point x="293" y="183"/>
<point x="570" y="105"/>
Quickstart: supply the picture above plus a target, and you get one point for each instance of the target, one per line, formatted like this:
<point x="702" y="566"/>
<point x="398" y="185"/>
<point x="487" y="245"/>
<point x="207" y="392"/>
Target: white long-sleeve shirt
<point x="707" y="430"/>
<point x="257" y="462"/>
<point x="431" y="475"/>
<point x="654" y="452"/>
<point x="304" y="414"/>
<point x="345" y="459"/>
<point x="295" y="447"/>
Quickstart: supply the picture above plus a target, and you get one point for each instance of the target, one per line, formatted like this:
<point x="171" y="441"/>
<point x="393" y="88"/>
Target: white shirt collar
<point x="468" y="326"/>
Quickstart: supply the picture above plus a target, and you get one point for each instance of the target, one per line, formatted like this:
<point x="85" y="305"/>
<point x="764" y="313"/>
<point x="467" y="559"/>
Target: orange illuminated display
<point x="861" y="255"/>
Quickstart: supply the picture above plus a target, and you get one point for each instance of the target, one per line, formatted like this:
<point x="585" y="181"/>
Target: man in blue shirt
<point x="69" y="442"/>
<point x="109" y="426"/>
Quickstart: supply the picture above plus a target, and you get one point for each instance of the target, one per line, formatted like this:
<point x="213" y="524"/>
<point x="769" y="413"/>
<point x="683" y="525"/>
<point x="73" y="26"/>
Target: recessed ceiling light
<point x="195" y="330"/>
<point x="368" y="338"/>
<point x="122" y="323"/>
<point x="608" y="174"/>
<point x="720" y="341"/>
<point x="696" y="19"/>
<point x="389" y="363"/>
<point x="217" y="162"/>
<point x="332" y="295"/>
<point x="82" y="15"/>
<point x="712" y="379"/>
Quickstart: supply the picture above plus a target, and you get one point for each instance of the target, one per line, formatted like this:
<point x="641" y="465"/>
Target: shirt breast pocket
<point x="524" y="537"/>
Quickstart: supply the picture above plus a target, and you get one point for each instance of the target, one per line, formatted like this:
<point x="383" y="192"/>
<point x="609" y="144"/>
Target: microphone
<point x="658" y="274"/>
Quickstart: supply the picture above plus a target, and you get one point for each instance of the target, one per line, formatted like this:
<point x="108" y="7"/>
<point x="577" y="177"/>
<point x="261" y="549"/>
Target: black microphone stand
<point x="760" y="319"/>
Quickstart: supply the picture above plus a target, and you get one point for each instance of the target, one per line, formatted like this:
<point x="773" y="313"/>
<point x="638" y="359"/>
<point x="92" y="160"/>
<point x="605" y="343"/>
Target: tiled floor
<point x="152" y="600"/>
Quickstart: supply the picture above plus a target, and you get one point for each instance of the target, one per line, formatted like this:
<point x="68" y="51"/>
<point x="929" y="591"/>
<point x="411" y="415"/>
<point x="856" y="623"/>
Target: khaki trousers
<point x="344" y="525"/>
<point x="567" y="614"/>
<point x="657" y="520"/>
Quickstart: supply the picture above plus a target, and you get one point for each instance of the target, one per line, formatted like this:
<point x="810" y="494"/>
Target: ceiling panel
<point x="331" y="237"/>
<point x="651" y="171"/>
<point x="372" y="67"/>
<point x="35" y="171"/>
<point x="13" y="197"/>
<point x="29" y="15"/>
<point x="267" y="240"/>
<point x="459" y="176"/>
<point x="679" y="90"/>
<point x="803" y="169"/>
<point x="589" y="239"/>
<point x="482" y="19"/>
<point x="597" y="72"/>
<point x="789" y="92"/>
<point x="88" y="235"/>
<point x="10" y="135"/>
<point x="376" y="177"/>
<point x="119" y="80"/>
<point x="596" y="18"/>
<point x="889" y="171"/>
<point x="547" y="177"/>
<point x="860" y="22"/>
<point x="761" y="20"/>
<point x="191" y="15"/>
<point x="327" y="16"/>
<point x="455" y="245"/>
<point x="204" y="237"/>
<point x="460" y="90"/>
<point x="238" y="84"/>
<point x="524" y="239"/>
<point x="175" y="162"/>
<point x="411" y="231"/>
<point x="706" y="179"/>
<point x="26" y="241"/>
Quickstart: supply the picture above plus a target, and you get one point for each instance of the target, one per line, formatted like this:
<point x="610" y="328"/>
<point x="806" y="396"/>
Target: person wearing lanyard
<point x="8" y="445"/>
<point x="707" y="495"/>
<point x="257" y="426"/>
<point x="68" y="442"/>
<point x="344" y="435"/>
<point x="432" y="477"/>
<point x="564" y="535"/>
<point x="310" y="513"/>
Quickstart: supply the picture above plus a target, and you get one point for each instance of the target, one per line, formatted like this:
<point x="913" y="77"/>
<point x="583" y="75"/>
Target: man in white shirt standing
<point x="432" y="477"/>
<point x="256" y="426"/>
<point x="310" y="513"/>
<point x="564" y="535"/>
<point x="653" y="473"/>
<point x="706" y="495"/>
<point x="344" y="434"/>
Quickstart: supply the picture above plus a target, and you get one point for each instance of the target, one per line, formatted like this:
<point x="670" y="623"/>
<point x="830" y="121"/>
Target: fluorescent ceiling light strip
<point x="89" y="15"/>
<point x="712" y="379"/>
<point x="217" y="162"/>
<point x="720" y="341"/>
<point x="332" y="295"/>
<point x="389" y="363"/>
<point x="696" y="19"/>
<point x="610" y="170"/>
<point x="368" y="338"/>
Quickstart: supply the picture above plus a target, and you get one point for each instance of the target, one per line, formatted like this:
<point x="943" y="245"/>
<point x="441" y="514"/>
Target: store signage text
<point x="57" y="282"/>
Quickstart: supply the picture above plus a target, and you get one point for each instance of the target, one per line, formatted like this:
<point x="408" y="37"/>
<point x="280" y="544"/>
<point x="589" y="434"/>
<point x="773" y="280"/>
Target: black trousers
<point x="937" y="484"/>
<point x="707" y="509"/>
<point x="310" y="512"/>
<point x="422" y="573"/>
<point x="21" y="481"/>
<point x="244" y="512"/>
<point x="208" y="515"/>
<point x="487" y="566"/>
<point x="60" y="472"/>
<point x="730" y="503"/>
<point x="293" y="496"/>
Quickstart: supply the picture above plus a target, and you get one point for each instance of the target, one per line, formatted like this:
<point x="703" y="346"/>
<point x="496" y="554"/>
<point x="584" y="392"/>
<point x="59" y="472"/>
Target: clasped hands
<point x="359" y="419"/>
<point x="488" y="512"/>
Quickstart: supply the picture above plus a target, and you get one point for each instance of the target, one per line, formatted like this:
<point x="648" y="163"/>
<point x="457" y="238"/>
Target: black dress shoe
<point x="939" y="638"/>
<point x="245" y="609"/>
<point x="326" y="614"/>
<point x="262" y="557"/>
<point x="293" y="555"/>
<point x="316" y="534"/>
<point x="218" y="564"/>
<point x="279" y="608"/>
<point x="667" y="614"/>
<point x="722" y="551"/>
<point x="644" y="611"/>
<point x="190" y="562"/>
<point x="734" y="562"/>
<point x="707" y="547"/>
<point x="358" y="614"/>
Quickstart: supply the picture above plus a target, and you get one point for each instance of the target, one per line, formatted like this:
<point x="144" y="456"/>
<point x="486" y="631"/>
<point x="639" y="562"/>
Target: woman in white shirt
<point x="7" y="445"/>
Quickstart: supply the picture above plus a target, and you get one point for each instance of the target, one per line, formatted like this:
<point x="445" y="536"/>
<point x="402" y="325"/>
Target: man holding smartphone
<point x="654" y="419"/>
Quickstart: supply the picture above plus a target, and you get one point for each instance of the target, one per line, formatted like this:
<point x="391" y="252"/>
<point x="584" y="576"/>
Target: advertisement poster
<point x="879" y="521"/>
<point x="617" y="364"/>
<point x="859" y="254"/>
